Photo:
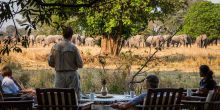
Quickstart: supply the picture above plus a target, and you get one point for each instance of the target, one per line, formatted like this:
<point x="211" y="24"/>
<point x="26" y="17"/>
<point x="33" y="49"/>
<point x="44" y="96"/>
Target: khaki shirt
<point x="65" y="56"/>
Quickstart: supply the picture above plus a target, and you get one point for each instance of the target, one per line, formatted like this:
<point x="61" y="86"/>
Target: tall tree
<point x="119" y="19"/>
<point x="203" y="18"/>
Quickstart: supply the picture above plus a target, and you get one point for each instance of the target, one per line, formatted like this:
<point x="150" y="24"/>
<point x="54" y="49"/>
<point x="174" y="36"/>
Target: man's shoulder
<point x="65" y="46"/>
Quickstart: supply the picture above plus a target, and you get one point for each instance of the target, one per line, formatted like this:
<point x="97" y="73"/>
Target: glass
<point x="92" y="96"/>
<point x="126" y="94"/>
<point x="189" y="92"/>
<point x="132" y="93"/>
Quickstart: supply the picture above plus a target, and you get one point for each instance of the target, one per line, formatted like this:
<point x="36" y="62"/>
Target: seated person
<point x="9" y="85"/>
<point x="207" y="83"/>
<point x="152" y="81"/>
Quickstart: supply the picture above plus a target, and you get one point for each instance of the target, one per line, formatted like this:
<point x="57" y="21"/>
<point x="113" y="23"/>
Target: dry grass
<point x="181" y="59"/>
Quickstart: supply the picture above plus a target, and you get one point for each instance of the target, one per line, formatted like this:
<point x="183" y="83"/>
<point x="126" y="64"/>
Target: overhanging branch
<point x="67" y="5"/>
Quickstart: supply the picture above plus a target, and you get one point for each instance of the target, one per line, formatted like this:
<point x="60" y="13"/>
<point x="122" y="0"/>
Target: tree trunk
<point x="111" y="45"/>
<point x="105" y="45"/>
<point x="115" y="42"/>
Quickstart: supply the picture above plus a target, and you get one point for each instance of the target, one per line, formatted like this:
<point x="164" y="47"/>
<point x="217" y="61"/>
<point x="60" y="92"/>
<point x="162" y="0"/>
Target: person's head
<point x="67" y="32"/>
<point x="205" y="71"/>
<point x="152" y="81"/>
<point x="6" y="71"/>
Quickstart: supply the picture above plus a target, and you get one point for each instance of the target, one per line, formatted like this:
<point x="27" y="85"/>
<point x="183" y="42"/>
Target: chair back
<point x="214" y="101"/>
<point x="56" y="99"/>
<point x="163" y="99"/>
<point x="16" y="105"/>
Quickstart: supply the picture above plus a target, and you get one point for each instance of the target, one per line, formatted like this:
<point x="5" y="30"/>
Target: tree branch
<point x="67" y="5"/>
<point x="148" y="60"/>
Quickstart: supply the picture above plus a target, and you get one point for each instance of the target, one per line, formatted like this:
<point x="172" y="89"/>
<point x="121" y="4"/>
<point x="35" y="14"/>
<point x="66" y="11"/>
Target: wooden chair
<point x="59" y="99"/>
<point x="16" y="105"/>
<point x="212" y="102"/>
<point x="162" y="99"/>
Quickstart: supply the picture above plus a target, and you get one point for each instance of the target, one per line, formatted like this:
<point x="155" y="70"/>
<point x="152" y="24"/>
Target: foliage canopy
<point x="115" y="18"/>
<point x="203" y="18"/>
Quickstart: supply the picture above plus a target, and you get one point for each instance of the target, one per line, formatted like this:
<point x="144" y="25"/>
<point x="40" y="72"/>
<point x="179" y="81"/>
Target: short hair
<point x="153" y="81"/>
<point x="67" y="32"/>
<point x="6" y="71"/>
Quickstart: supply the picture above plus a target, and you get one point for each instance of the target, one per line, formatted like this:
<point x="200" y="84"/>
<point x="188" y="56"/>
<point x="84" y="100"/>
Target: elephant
<point x="40" y="39"/>
<point x="12" y="39"/>
<point x="32" y="39"/>
<point x="213" y="41"/>
<point x="52" y="39"/>
<point x="81" y="40"/>
<point x="89" y="41"/>
<point x="189" y="41"/>
<point x="74" y="38"/>
<point x="136" y="41"/>
<point x="167" y="39"/>
<point x="202" y="41"/>
<point x="125" y="43"/>
<point x="78" y="39"/>
<point x="179" y="40"/>
<point x="155" y="41"/>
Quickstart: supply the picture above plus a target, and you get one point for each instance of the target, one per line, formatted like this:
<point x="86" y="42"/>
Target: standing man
<point x="65" y="58"/>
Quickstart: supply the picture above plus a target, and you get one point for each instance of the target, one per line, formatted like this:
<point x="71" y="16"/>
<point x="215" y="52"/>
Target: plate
<point x="101" y="96"/>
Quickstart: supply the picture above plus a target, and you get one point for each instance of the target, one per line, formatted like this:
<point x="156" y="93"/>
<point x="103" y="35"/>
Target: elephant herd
<point x="50" y="39"/>
<point x="136" y="41"/>
<point x="167" y="41"/>
<point x="158" y="40"/>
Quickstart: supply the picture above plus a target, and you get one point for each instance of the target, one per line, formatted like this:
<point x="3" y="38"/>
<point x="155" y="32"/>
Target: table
<point x="103" y="103"/>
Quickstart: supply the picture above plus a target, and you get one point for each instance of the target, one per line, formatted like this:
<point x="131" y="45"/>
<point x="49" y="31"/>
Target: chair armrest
<point x="199" y="104"/>
<point x="12" y="98"/>
<point x="12" y="95"/>
<point x="213" y="102"/>
<point x="150" y="106"/>
<point x="194" y="98"/>
<point x="21" y="102"/>
<point x="85" y="104"/>
<point x="140" y="106"/>
<point x="193" y="102"/>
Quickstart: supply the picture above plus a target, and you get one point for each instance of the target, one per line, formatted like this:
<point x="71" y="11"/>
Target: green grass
<point x="117" y="80"/>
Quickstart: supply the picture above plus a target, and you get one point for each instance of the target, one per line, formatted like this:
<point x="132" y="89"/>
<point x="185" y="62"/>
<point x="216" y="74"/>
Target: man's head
<point x="6" y="71"/>
<point x="152" y="81"/>
<point x="67" y="32"/>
